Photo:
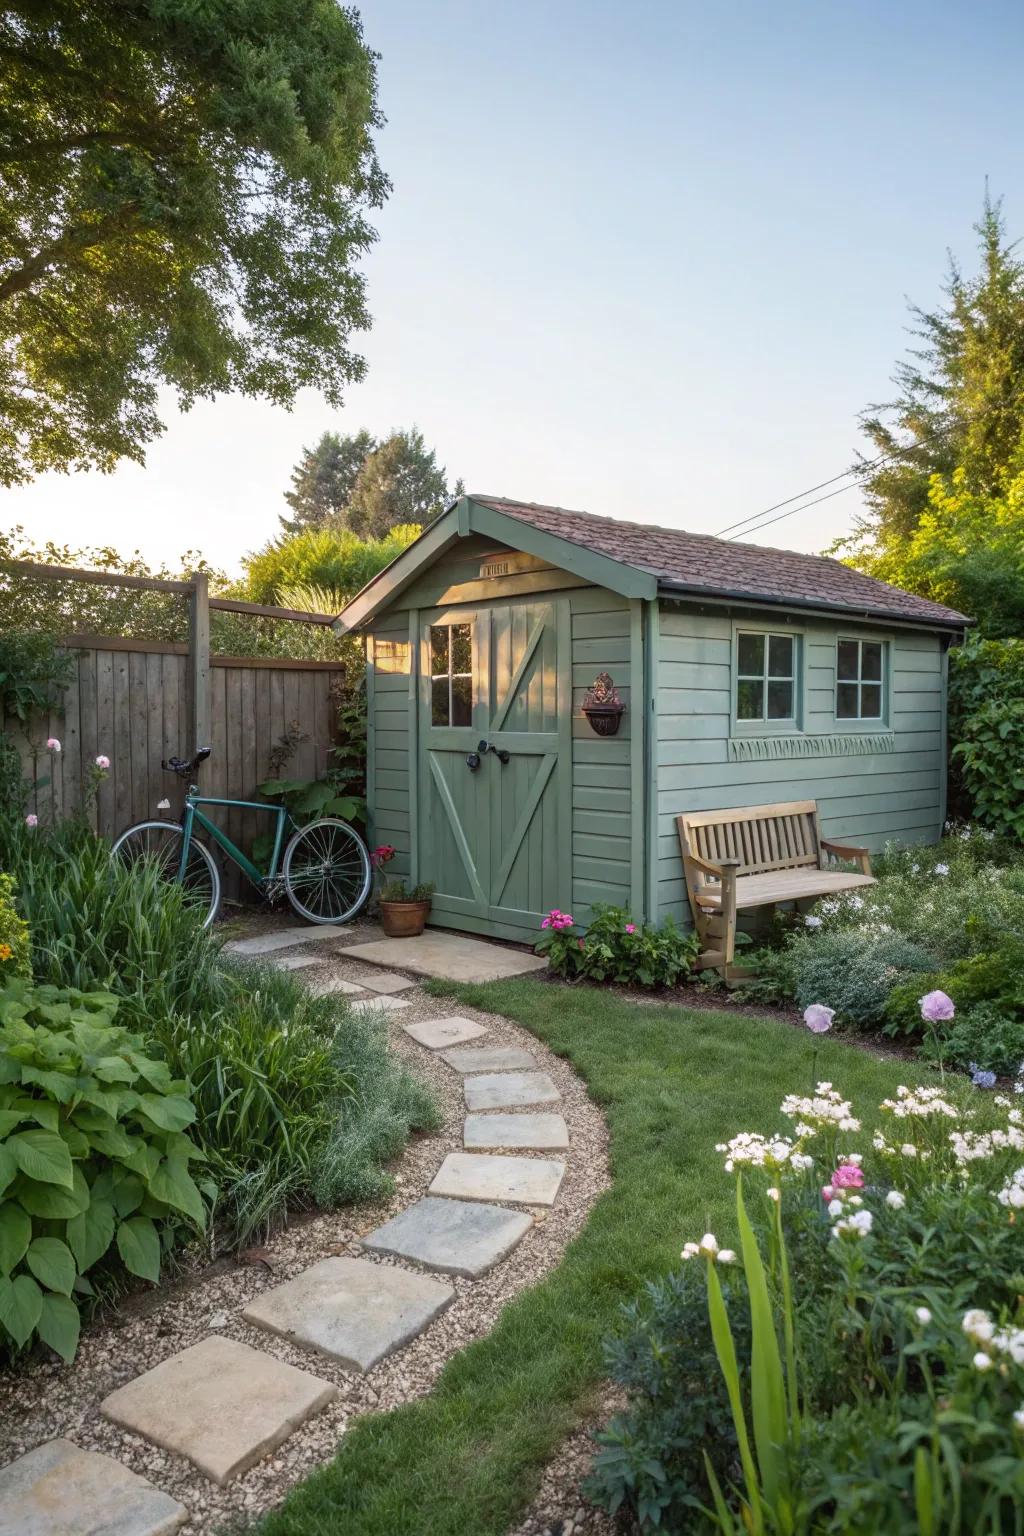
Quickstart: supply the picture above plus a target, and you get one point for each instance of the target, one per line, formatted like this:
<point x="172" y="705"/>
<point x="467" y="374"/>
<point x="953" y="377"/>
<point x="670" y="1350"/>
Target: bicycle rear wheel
<point x="159" y="843"/>
<point x="326" y="871"/>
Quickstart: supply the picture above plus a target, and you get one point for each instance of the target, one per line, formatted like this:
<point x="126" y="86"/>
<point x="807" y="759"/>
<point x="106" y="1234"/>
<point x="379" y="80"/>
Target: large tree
<point x="400" y="482"/>
<point x="182" y="202"/>
<point x="323" y="480"/>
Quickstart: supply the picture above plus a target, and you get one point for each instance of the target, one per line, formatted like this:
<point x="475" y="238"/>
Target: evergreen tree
<point x="400" y="482"/>
<point x="960" y="405"/>
<point x="323" y="480"/>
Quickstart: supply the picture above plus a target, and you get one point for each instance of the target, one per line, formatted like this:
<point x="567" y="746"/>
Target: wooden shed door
<point x="496" y="841"/>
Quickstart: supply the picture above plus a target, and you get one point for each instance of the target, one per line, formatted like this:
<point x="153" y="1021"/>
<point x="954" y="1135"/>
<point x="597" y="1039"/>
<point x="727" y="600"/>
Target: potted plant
<point x="403" y="910"/>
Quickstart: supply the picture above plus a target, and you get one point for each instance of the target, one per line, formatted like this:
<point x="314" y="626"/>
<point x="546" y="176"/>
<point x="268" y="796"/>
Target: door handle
<point x="488" y="746"/>
<point x="473" y="761"/>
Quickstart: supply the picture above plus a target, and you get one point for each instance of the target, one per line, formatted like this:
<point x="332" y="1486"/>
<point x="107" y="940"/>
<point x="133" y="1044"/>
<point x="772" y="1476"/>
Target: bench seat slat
<point x="763" y="890"/>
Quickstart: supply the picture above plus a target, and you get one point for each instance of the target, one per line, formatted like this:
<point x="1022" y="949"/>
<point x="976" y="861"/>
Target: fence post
<point x="199" y="660"/>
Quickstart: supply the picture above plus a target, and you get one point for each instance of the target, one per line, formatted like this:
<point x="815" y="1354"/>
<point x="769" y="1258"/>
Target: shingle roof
<point x="699" y="563"/>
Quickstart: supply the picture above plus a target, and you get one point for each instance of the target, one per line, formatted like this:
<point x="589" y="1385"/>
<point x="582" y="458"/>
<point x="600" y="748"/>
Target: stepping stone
<point x="522" y="1180"/>
<point x="509" y="1090"/>
<point x="295" y="962"/>
<point x="220" y="1403"/>
<point x="59" y="1490"/>
<point x="455" y="1236"/>
<point x="537" y="1133"/>
<point x="380" y="1004"/>
<point x="490" y="1058"/>
<point x="386" y="981"/>
<point x="350" y="1309"/>
<point x="334" y="984"/>
<point x="283" y="938"/>
<point x="452" y="956"/>
<point x="435" y="1034"/>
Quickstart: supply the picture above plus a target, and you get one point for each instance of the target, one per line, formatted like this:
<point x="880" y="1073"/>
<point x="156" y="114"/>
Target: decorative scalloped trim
<point x="756" y="749"/>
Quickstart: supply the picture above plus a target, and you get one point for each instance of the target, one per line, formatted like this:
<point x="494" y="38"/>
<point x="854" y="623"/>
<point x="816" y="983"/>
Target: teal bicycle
<point x="324" y="869"/>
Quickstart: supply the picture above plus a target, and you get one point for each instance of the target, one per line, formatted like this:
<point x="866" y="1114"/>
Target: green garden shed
<point x="548" y="690"/>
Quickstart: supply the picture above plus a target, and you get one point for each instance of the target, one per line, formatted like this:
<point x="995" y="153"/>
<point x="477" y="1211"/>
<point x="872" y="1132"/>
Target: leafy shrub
<point x="854" y="969"/>
<point x="398" y="890"/>
<point x="982" y="1038"/>
<point x="987" y="726"/>
<point x="32" y="673"/>
<point x="615" y="949"/>
<point x="995" y="979"/>
<point x="651" y="1461"/>
<point x="15" y="949"/>
<point x="92" y="1154"/>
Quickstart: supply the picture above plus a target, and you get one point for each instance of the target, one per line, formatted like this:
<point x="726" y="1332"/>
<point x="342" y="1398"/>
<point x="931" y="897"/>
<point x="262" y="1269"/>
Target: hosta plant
<point x="94" y="1158"/>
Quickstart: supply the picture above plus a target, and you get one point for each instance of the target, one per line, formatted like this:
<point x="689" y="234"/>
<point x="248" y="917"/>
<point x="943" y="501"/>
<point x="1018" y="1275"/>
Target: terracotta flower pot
<point x="403" y="919"/>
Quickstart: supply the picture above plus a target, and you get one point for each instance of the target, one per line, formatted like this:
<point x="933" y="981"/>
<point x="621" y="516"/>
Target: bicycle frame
<point x="192" y="816"/>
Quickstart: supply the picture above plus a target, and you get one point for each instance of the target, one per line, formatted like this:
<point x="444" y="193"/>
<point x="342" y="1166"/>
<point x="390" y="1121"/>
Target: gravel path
<point x="47" y="1399"/>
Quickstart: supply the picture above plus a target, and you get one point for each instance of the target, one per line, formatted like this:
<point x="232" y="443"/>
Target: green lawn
<point x="465" y="1461"/>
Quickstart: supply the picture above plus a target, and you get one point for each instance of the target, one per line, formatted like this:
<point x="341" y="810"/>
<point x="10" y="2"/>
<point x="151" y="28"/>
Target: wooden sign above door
<point x="510" y="563"/>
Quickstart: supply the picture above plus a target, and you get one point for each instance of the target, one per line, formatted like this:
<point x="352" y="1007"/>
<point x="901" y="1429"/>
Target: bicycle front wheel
<point x="159" y="843"/>
<point x="326" y="871"/>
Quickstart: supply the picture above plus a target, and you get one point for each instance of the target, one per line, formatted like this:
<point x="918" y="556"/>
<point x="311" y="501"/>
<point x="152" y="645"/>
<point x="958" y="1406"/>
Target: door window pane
<point x="765" y="677"/>
<point x="451" y="674"/>
<point x="860" y="679"/>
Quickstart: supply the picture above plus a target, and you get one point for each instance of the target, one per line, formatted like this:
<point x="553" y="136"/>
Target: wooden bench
<point x="755" y="856"/>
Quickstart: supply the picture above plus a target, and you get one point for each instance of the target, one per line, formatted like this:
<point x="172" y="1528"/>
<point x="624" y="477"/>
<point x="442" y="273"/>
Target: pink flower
<point x="631" y="927"/>
<point x="848" y="1176"/>
<point x="31" y="820"/>
<point x="103" y="762"/>
<point x="546" y="922"/>
<point x="827" y="1192"/>
<point x="936" y="1007"/>
<point x="53" y="745"/>
<point x="382" y="854"/>
<point x="818" y="1018"/>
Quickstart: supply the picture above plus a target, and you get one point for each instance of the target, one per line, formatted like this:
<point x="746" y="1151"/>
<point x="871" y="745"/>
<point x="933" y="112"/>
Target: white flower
<point x="811" y="921"/>
<point x="895" y="1200"/>
<point x="1012" y="1193"/>
<point x="857" y="1225"/>
<point x="942" y="869"/>
<point x="978" y="1325"/>
<point x="835" y="1207"/>
<point x="801" y="1162"/>
<point x="908" y="1149"/>
<point x="708" y="1248"/>
<point x="690" y="1250"/>
<point x="726" y="1256"/>
<point x="981" y="1361"/>
<point x="773" y="1194"/>
<point x="923" y="1315"/>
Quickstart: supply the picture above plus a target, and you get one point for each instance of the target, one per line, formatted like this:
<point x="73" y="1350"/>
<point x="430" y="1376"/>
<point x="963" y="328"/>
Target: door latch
<point x="499" y="752"/>
<point x="473" y="761"/>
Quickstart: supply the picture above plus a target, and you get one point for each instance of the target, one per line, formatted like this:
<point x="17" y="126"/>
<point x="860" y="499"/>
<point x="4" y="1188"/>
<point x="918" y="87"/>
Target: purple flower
<point x="981" y="1078"/>
<point x="936" y="1007"/>
<point x="31" y="820"/>
<point x="818" y="1018"/>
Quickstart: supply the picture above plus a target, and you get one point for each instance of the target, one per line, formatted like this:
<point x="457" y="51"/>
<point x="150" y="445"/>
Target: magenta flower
<point x="631" y="927"/>
<point x="31" y="820"/>
<point x="827" y="1192"/>
<point x="936" y="1007"/>
<point x="848" y="1176"/>
<point x="53" y="745"/>
<point x="818" y="1018"/>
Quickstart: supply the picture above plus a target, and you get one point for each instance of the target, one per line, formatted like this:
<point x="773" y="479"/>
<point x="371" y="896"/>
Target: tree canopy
<point x="946" y="507"/>
<point x="183" y="202"/>
<point x="336" y="562"/>
<point x="366" y="486"/>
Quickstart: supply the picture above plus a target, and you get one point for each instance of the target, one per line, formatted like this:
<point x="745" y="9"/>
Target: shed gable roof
<point x="695" y="562"/>
<point x="641" y="559"/>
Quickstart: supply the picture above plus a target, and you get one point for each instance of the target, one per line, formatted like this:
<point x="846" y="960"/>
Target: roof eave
<point x="851" y="611"/>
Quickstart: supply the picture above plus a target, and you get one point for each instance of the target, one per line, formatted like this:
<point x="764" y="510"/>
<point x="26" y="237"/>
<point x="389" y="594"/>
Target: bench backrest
<point x="762" y="837"/>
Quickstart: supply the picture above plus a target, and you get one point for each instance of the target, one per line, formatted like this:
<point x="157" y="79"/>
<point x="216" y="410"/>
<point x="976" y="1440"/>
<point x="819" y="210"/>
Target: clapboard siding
<point x="390" y="723"/>
<point x="873" y="798"/>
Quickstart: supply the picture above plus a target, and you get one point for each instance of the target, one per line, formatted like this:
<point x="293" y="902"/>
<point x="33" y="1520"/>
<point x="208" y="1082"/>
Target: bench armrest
<point x="852" y="851"/>
<point x="719" y="871"/>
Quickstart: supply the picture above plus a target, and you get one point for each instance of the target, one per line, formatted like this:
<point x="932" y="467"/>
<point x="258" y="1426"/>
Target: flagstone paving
<point x="509" y="1090"/>
<point x="457" y="1237"/>
<point x="490" y="1058"/>
<point x="481" y="1176"/>
<point x="535" y="1133"/>
<point x="220" y="1403"/>
<point x="356" y="1311"/>
<point x="436" y="1034"/>
<point x="224" y="1405"/>
<point x="59" y="1490"/>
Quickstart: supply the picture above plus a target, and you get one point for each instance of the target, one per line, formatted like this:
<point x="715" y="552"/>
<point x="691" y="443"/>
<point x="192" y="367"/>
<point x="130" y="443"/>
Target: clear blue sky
<point x="647" y="260"/>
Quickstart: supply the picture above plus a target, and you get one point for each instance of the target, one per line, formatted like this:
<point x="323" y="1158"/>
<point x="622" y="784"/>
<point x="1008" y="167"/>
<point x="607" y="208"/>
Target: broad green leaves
<point x="93" y="1153"/>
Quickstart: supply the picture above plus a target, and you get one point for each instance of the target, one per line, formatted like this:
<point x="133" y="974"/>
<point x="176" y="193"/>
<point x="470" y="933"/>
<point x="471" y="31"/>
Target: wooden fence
<point x="137" y="702"/>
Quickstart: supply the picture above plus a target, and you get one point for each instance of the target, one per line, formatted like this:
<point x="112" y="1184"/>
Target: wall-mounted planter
<point x="603" y="707"/>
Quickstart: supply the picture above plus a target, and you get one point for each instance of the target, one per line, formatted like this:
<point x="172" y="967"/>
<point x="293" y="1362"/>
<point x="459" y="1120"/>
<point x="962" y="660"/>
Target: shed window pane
<point x="451" y="667"/>
<point x="439" y="701"/>
<point x="780" y="700"/>
<point x="780" y="656"/>
<point x="871" y="662"/>
<point x="439" y="649"/>
<point x="847" y="660"/>
<point x="750" y="651"/>
<point x="750" y="699"/>
<point x="871" y="701"/>
<point x="461" y="649"/>
<point x="462" y="700"/>
<point x="846" y="701"/>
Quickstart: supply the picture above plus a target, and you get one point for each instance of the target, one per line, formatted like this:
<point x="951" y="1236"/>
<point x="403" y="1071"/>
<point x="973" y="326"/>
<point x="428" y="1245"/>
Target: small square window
<point x="860" y="676"/>
<point x="765" y="678"/>
<point x="451" y="674"/>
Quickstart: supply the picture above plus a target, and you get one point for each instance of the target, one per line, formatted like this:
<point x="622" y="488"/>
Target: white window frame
<point x="859" y="722"/>
<point x="792" y="725"/>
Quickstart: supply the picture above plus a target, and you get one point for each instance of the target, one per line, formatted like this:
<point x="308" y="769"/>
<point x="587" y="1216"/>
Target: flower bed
<point x="859" y="1365"/>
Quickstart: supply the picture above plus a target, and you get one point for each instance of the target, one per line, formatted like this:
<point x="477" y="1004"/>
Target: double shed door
<point x="496" y="839"/>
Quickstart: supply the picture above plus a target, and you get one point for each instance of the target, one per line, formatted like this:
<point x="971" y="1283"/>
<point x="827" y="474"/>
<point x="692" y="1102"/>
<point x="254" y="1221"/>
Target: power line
<point x="860" y="472"/>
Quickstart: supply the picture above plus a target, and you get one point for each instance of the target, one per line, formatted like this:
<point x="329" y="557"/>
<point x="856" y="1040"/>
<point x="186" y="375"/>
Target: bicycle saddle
<point x="181" y="767"/>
